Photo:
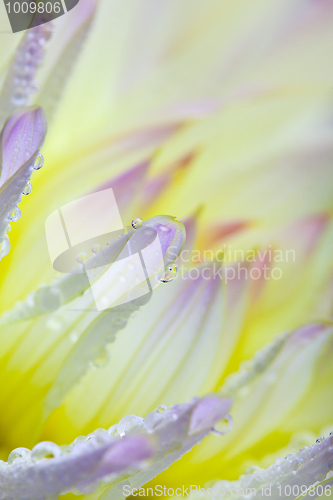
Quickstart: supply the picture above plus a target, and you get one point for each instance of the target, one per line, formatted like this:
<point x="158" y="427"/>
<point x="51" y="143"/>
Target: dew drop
<point x="46" y="449"/>
<point x="65" y="448"/>
<point x="129" y="422"/>
<point x="8" y="228"/>
<point x="161" y="409"/>
<point x="39" y="162"/>
<point x="152" y="420"/>
<point x="97" y="436"/>
<point x="119" y="322"/>
<point x="82" y="258"/>
<point x="19" y="98"/>
<point x="79" y="439"/>
<point x="15" y="214"/>
<point x="225" y="425"/>
<point x="28" y="189"/>
<point x="251" y="469"/>
<point x="320" y="439"/>
<point x="19" y="455"/>
<point x="113" y="430"/>
<point x="101" y="361"/>
<point x="96" y="248"/>
<point x="170" y="274"/>
<point x="137" y="223"/>
<point x="4" y="247"/>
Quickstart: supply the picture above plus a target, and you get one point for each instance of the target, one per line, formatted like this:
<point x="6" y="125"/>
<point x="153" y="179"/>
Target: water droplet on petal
<point x="46" y="449"/>
<point x="101" y="361"/>
<point x="137" y="223"/>
<point x="251" y="469"/>
<point x="225" y="425"/>
<point x="113" y="430"/>
<point x="19" y="98"/>
<point x="119" y="323"/>
<point x="97" y="436"/>
<point x="15" y="214"/>
<point x="65" y="448"/>
<point x="79" y="439"/>
<point x="170" y="274"/>
<point x="28" y="189"/>
<point x="129" y="422"/>
<point x="39" y="162"/>
<point x="8" y="228"/>
<point x="320" y="439"/>
<point x="82" y="258"/>
<point x="19" y="455"/>
<point x="96" y="248"/>
<point x="152" y="420"/>
<point x="4" y="247"/>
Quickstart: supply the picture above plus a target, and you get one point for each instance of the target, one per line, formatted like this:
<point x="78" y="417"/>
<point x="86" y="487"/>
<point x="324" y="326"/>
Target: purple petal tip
<point x="21" y="138"/>
<point x="208" y="412"/>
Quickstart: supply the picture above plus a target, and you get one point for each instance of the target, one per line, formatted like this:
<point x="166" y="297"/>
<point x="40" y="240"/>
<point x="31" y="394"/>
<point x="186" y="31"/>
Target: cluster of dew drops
<point x="16" y="213"/>
<point x="170" y="274"/>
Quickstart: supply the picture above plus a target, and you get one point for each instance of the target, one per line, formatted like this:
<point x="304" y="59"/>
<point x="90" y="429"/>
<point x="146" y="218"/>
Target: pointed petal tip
<point x="208" y="412"/>
<point x="171" y="233"/>
<point x="20" y="141"/>
<point x="308" y="332"/>
<point x="25" y="127"/>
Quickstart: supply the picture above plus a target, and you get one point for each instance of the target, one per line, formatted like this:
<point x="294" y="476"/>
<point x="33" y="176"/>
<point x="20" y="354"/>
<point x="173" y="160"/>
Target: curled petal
<point x="173" y="435"/>
<point x="86" y="462"/>
<point x="171" y="236"/>
<point x="208" y="412"/>
<point x="20" y="142"/>
<point x="135" y="448"/>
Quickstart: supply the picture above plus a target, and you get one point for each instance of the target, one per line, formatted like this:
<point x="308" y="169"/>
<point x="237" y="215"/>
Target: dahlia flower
<point x="210" y="122"/>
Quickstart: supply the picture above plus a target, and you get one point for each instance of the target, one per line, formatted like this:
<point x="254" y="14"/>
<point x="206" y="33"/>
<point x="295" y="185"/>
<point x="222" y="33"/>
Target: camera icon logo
<point x="26" y="14"/>
<point x="122" y="266"/>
